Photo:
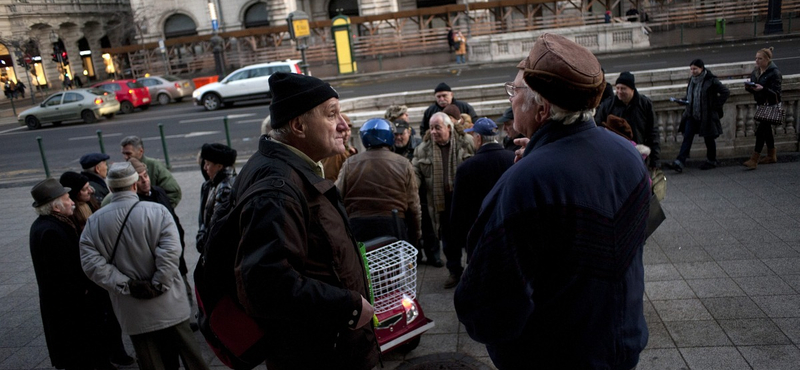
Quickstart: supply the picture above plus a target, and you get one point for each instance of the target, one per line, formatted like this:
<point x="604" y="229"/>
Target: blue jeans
<point x="692" y="128"/>
<point x="460" y="59"/>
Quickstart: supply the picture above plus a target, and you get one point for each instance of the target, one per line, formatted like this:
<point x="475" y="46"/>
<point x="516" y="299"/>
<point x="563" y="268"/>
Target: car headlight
<point x="411" y="309"/>
<point x="195" y="94"/>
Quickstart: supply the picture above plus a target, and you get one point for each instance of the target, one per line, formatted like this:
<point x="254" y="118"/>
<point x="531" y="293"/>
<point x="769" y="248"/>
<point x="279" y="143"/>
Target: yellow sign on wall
<point x="301" y="28"/>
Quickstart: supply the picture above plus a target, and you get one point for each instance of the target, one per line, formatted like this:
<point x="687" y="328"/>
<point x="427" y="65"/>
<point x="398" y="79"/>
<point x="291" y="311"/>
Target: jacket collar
<point x="490" y="147"/>
<point x="225" y="173"/>
<point x="273" y="149"/>
<point x="554" y="130"/>
<point x="122" y="196"/>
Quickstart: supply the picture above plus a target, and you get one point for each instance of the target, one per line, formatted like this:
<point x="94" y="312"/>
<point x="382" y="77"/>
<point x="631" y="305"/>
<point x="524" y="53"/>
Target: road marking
<point x="181" y="136"/>
<point x="491" y="78"/>
<point x="232" y="116"/>
<point x="92" y="137"/>
<point x="12" y="130"/>
<point x="249" y="121"/>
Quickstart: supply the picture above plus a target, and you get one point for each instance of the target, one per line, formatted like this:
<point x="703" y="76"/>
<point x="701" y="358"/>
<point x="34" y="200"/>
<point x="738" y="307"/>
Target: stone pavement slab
<point x="722" y="277"/>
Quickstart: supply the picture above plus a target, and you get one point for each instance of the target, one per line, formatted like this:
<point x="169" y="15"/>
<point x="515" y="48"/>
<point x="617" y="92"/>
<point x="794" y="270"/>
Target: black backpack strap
<point x="119" y="235"/>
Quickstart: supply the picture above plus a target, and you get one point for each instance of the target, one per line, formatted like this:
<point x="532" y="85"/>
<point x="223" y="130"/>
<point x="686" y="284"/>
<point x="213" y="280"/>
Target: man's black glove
<point x="143" y="289"/>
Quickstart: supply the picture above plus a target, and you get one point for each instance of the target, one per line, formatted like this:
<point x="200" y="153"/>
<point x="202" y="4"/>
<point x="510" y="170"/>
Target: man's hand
<point x="143" y="289"/>
<point x="523" y="142"/>
<point x="366" y="313"/>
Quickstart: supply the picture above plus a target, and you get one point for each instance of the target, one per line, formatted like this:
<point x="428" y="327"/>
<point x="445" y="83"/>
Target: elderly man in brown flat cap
<point x="556" y="277"/>
<point x="300" y="272"/>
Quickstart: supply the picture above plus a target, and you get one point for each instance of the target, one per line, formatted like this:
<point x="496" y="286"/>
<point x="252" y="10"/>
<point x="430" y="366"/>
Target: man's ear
<point x="297" y="127"/>
<point x="543" y="111"/>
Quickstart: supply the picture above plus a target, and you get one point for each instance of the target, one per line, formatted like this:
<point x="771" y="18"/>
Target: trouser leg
<point x="451" y="250"/>
<point x="711" y="148"/>
<point x="186" y="346"/>
<point x="688" y="137"/>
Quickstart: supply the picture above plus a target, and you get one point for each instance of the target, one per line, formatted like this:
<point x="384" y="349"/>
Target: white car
<point x="247" y="83"/>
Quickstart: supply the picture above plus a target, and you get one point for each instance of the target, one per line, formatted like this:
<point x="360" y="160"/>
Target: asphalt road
<point x="187" y="127"/>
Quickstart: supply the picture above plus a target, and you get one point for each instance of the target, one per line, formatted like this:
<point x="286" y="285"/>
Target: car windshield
<point x="135" y="85"/>
<point x="171" y="78"/>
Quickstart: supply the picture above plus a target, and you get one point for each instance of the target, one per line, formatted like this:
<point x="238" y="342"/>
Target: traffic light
<point x="64" y="58"/>
<point x="21" y="61"/>
<point x="56" y="52"/>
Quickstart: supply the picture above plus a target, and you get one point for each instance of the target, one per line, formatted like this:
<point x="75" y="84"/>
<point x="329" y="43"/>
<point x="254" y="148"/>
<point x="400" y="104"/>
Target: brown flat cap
<point x="563" y="72"/>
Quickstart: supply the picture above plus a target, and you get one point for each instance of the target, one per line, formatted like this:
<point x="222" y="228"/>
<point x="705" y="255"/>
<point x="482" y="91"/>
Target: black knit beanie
<point x="74" y="181"/>
<point x="698" y="63"/>
<point x="441" y="87"/>
<point x="626" y="78"/>
<point x="218" y="153"/>
<point x="294" y="94"/>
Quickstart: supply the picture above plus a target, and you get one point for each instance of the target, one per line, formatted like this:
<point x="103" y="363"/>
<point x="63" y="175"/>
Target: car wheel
<point x="109" y="116"/>
<point x="163" y="99"/>
<point x="126" y="107"/>
<point x="32" y="122"/>
<point x="145" y="107"/>
<point x="88" y="116"/>
<point x="178" y="100"/>
<point x="211" y="102"/>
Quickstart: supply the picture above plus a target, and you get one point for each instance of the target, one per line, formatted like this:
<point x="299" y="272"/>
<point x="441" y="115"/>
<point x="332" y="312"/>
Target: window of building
<point x="178" y="25"/>
<point x="256" y="15"/>
<point x="345" y="7"/>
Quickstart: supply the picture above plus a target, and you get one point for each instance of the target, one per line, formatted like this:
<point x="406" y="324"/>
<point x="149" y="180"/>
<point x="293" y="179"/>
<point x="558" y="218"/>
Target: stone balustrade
<point x="738" y="126"/>
<point x="61" y="7"/>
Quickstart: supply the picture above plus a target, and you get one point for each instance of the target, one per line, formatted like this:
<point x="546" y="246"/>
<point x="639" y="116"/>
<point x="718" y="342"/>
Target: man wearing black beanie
<point x="299" y="270"/>
<point x="444" y="97"/>
<point x="635" y="108"/>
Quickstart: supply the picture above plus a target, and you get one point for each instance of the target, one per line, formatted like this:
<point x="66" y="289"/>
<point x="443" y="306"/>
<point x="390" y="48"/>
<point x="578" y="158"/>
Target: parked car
<point x="130" y="93"/>
<point x="247" y="83"/>
<point x="79" y="104"/>
<point x="164" y="89"/>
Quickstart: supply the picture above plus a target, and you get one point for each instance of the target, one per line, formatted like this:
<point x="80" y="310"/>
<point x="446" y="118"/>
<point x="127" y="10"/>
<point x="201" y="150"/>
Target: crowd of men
<point x="552" y="216"/>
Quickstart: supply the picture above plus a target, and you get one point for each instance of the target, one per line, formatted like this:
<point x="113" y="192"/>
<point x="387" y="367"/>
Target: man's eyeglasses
<point x="511" y="90"/>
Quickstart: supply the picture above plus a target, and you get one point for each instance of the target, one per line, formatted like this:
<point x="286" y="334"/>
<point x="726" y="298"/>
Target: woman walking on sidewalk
<point x="766" y="88"/>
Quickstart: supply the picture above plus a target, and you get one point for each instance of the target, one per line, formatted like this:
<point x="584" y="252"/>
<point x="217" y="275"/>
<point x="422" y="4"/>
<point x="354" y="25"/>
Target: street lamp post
<point x="774" y="23"/>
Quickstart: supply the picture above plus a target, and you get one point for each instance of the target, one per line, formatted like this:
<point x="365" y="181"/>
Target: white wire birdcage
<point x="393" y="272"/>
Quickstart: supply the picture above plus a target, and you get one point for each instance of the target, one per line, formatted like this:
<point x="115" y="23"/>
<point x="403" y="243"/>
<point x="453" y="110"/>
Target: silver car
<point x="80" y="104"/>
<point x="166" y="88"/>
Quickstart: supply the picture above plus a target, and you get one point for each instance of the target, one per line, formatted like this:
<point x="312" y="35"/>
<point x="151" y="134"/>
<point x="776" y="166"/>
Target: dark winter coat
<point x="67" y="298"/>
<point x="556" y="278"/>
<point x="98" y="184"/>
<point x="464" y="107"/>
<point x="642" y="118"/>
<point x="474" y="179"/>
<point x="301" y="280"/>
<point x="771" y="80"/>
<point x="158" y="195"/>
<point x="713" y="95"/>
<point x="213" y="194"/>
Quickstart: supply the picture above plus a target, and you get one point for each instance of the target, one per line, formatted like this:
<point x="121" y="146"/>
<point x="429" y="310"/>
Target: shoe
<point x="752" y="163"/>
<point x="123" y="360"/>
<point x="452" y="281"/>
<point x="771" y="157"/>
<point x="708" y="165"/>
<point x="677" y="165"/>
<point x="435" y="263"/>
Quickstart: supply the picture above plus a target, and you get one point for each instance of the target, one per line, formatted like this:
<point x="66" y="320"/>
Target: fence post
<point x="100" y="140"/>
<point x="681" y="33"/>
<point x="755" y="26"/>
<point x="227" y="132"/>
<point x="44" y="159"/>
<point x="164" y="145"/>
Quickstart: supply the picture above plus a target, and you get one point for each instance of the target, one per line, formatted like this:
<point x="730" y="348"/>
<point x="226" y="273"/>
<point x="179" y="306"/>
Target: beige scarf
<point x="439" y="179"/>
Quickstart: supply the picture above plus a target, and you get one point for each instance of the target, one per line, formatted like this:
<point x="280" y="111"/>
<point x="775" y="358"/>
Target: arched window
<point x="178" y="25"/>
<point x="256" y="15"/>
<point x="347" y="7"/>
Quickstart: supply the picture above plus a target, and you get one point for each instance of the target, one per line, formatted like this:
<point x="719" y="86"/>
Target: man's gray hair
<point x="47" y="208"/>
<point x="281" y="133"/>
<point x="132" y="140"/>
<point x="485" y="139"/>
<point x="556" y="113"/>
<point x="446" y="120"/>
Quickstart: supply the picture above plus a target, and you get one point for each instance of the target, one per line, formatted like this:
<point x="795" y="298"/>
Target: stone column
<point x="70" y="36"/>
<point x="93" y="35"/>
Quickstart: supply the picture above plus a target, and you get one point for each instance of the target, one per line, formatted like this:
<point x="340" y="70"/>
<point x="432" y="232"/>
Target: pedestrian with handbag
<point x="765" y="85"/>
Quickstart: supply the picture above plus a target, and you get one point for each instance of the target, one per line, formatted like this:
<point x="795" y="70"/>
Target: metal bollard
<point x="227" y="132"/>
<point x="13" y="108"/>
<point x="164" y="145"/>
<point x="44" y="159"/>
<point x="100" y="139"/>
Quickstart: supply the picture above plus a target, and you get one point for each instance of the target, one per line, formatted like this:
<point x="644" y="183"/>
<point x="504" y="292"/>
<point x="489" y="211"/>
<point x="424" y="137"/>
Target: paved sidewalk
<point x="722" y="292"/>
